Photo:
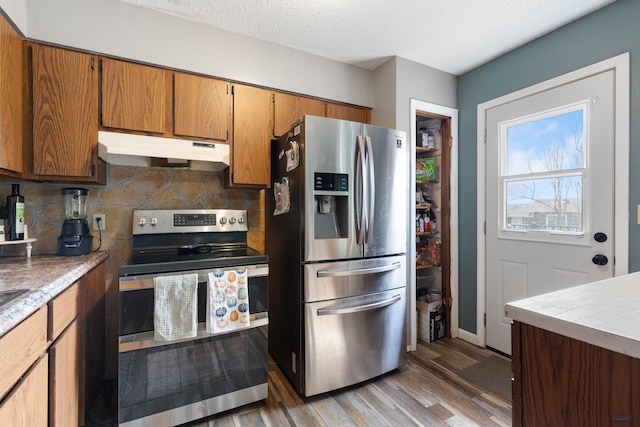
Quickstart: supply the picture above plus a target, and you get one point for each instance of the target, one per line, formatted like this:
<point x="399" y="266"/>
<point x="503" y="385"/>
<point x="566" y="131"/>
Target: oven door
<point x="171" y="383"/>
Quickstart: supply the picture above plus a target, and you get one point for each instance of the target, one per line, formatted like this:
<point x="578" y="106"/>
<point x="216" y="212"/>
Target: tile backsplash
<point x="128" y="189"/>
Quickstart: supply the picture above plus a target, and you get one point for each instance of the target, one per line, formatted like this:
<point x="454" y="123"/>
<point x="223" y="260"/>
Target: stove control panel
<point x="189" y="221"/>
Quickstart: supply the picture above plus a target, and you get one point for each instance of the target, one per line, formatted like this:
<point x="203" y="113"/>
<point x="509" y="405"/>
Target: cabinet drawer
<point x="20" y="347"/>
<point x="63" y="309"/>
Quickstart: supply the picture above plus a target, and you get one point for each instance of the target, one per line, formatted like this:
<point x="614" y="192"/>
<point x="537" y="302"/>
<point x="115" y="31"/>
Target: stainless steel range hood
<point x="145" y="151"/>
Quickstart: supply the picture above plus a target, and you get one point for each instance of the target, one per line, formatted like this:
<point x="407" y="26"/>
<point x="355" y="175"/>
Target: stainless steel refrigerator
<point x="335" y="236"/>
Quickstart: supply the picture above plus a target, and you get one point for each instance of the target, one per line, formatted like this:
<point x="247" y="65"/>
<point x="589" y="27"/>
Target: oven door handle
<point x="359" y="271"/>
<point x="146" y="282"/>
<point x="359" y="308"/>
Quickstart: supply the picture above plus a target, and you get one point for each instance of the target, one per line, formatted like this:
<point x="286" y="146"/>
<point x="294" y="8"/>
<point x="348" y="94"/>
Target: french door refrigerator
<point x="335" y="236"/>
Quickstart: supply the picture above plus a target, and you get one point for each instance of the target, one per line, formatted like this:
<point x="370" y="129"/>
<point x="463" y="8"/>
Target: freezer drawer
<point x="350" y="340"/>
<point x="330" y="280"/>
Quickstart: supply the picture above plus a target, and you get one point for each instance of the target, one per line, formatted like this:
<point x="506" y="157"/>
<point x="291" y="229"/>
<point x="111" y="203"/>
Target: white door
<point x="549" y="195"/>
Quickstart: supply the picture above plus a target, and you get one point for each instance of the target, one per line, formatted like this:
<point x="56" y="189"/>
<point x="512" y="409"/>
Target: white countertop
<point x="605" y="313"/>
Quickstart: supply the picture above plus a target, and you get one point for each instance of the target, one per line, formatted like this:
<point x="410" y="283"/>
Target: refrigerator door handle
<point x="358" y="271"/>
<point x="371" y="187"/>
<point x="347" y="309"/>
<point x="359" y="191"/>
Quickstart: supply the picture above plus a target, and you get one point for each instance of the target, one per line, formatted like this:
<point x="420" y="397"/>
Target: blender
<point x="75" y="238"/>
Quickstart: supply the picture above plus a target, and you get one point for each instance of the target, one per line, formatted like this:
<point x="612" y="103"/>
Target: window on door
<point x="543" y="172"/>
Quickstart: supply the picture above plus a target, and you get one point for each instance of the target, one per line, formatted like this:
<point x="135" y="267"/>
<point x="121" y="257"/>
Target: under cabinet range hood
<point x="144" y="151"/>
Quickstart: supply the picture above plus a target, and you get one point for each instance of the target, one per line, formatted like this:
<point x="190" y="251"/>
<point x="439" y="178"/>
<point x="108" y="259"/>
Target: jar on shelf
<point x="423" y="138"/>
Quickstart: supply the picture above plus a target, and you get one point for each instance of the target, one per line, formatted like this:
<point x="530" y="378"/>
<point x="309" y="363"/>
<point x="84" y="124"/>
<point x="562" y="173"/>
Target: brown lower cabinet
<point x="66" y="384"/>
<point x="560" y="381"/>
<point x="46" y="377"/>
<point x="26" y="405"/>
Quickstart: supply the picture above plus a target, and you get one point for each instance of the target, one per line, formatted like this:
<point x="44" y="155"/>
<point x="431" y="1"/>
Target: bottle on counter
<point x="15" y="214"/>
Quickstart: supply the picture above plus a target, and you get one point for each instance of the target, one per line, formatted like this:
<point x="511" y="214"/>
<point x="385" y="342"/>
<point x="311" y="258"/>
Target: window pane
<point x="551" y="144"/>
<point x="551" y="204"/>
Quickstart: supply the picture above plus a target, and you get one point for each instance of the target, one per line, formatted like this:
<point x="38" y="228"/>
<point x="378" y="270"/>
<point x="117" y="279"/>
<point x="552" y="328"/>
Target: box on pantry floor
<point x="431" y="320"/>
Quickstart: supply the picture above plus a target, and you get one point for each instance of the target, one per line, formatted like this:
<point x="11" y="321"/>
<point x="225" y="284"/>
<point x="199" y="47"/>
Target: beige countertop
<point x="604" y="313"/>
<point x="43" y="278"/>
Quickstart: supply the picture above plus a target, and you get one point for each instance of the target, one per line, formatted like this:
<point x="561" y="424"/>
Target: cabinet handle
<point x="93" y="64"/>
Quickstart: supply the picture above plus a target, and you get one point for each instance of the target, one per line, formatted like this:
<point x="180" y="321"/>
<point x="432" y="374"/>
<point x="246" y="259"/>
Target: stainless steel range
<point x="177" y="381"/>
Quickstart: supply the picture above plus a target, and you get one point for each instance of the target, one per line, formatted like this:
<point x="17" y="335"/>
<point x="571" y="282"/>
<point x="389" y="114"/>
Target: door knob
<point x="600" y="237"/>
<point x="600" y="259"/>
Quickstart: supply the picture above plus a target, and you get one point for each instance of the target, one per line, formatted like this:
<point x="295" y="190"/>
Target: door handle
<point x="371" y="187"/>
<point x="358" y="271"/>
<point x="600" y="259"/>
<point x="359" y="308"/>
<point x="359" y="191"/>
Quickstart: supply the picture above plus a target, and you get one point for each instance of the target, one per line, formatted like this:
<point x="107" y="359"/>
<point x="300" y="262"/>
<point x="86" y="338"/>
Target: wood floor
<point x="425" y="392"/>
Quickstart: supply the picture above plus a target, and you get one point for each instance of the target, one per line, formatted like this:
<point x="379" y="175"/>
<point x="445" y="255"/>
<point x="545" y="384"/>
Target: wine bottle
<point x="15" y="214"/>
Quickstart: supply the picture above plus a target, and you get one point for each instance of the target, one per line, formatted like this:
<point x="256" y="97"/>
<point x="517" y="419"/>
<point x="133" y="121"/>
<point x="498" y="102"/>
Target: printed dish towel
<point x="227" y="300"/>
<point x="176" y="305"/>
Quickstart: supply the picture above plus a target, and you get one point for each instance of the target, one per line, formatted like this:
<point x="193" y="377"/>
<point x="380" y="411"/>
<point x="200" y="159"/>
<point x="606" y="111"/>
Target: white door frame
<point x="620" y="65"/>
<point x="417" y="105"/>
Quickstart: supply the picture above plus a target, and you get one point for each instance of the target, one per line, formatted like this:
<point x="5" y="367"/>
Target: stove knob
<point x="232" y="221"/>
<point x="142" y="221"/>
<point x="241" y="220"/>
<point x="153" y="221"/>
<point x="223" y="221"/>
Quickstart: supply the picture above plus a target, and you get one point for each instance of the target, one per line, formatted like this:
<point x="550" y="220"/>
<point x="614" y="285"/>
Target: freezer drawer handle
<point x="358" y="271"/>
<point x="359" y="308"/>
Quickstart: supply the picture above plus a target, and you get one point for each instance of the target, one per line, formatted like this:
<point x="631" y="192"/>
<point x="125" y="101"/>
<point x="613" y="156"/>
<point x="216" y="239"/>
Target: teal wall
<point x="606" y="33"/>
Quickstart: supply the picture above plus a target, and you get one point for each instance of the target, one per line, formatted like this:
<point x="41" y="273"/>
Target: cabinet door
<point x="136" y="97"/>
<point x="65" y="113"/>
<point x="26" y="405"/>
<point x="65" y="386"/>
<point x="290" y="108"/>
<point x="94" y="330"/>
<point x="10" y="98"/>
<point x="201" y="107"/>
<point x="21" y="347"/>
<point x="346" y="112"/>
<point x="250" y="163"/>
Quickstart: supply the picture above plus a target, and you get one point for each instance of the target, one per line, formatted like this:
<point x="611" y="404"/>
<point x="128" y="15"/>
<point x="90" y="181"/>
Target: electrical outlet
<point x="102" y="225"/>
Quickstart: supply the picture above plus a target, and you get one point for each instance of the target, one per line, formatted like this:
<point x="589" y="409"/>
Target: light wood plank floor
<point x="425" y="392"/>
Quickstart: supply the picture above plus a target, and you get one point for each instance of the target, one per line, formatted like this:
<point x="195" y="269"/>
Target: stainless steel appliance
<point x="174" y="382"/>
<point x="337" y="254"/>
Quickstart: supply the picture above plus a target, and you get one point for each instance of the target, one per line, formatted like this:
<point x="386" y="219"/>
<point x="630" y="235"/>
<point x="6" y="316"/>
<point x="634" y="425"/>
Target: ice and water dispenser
<point x="331" y="194"/>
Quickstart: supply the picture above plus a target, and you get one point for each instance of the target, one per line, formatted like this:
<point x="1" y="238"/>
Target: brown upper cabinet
<point x="11" y="100"/>
<point x="64" y="94"/>
<point x="347" y="112"/>
<point x="135" y="97"/>
<point x="252" y="126"/>
<point x="288" y="109"/>
<point x="202" y="107"/>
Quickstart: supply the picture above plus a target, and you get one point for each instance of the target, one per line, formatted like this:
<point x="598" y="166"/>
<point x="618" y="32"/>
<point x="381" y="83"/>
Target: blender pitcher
<point x="75" y="238"/>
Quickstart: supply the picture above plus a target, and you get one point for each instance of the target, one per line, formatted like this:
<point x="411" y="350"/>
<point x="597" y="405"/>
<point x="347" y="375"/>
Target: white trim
<point x="620" y="64"/>
<point x="417" y="105"/>
<point x="469" y="337"/>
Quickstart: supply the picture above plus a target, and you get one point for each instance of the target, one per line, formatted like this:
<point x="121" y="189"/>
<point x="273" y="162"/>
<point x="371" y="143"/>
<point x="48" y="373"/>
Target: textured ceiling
<point x="450" y="35"/>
